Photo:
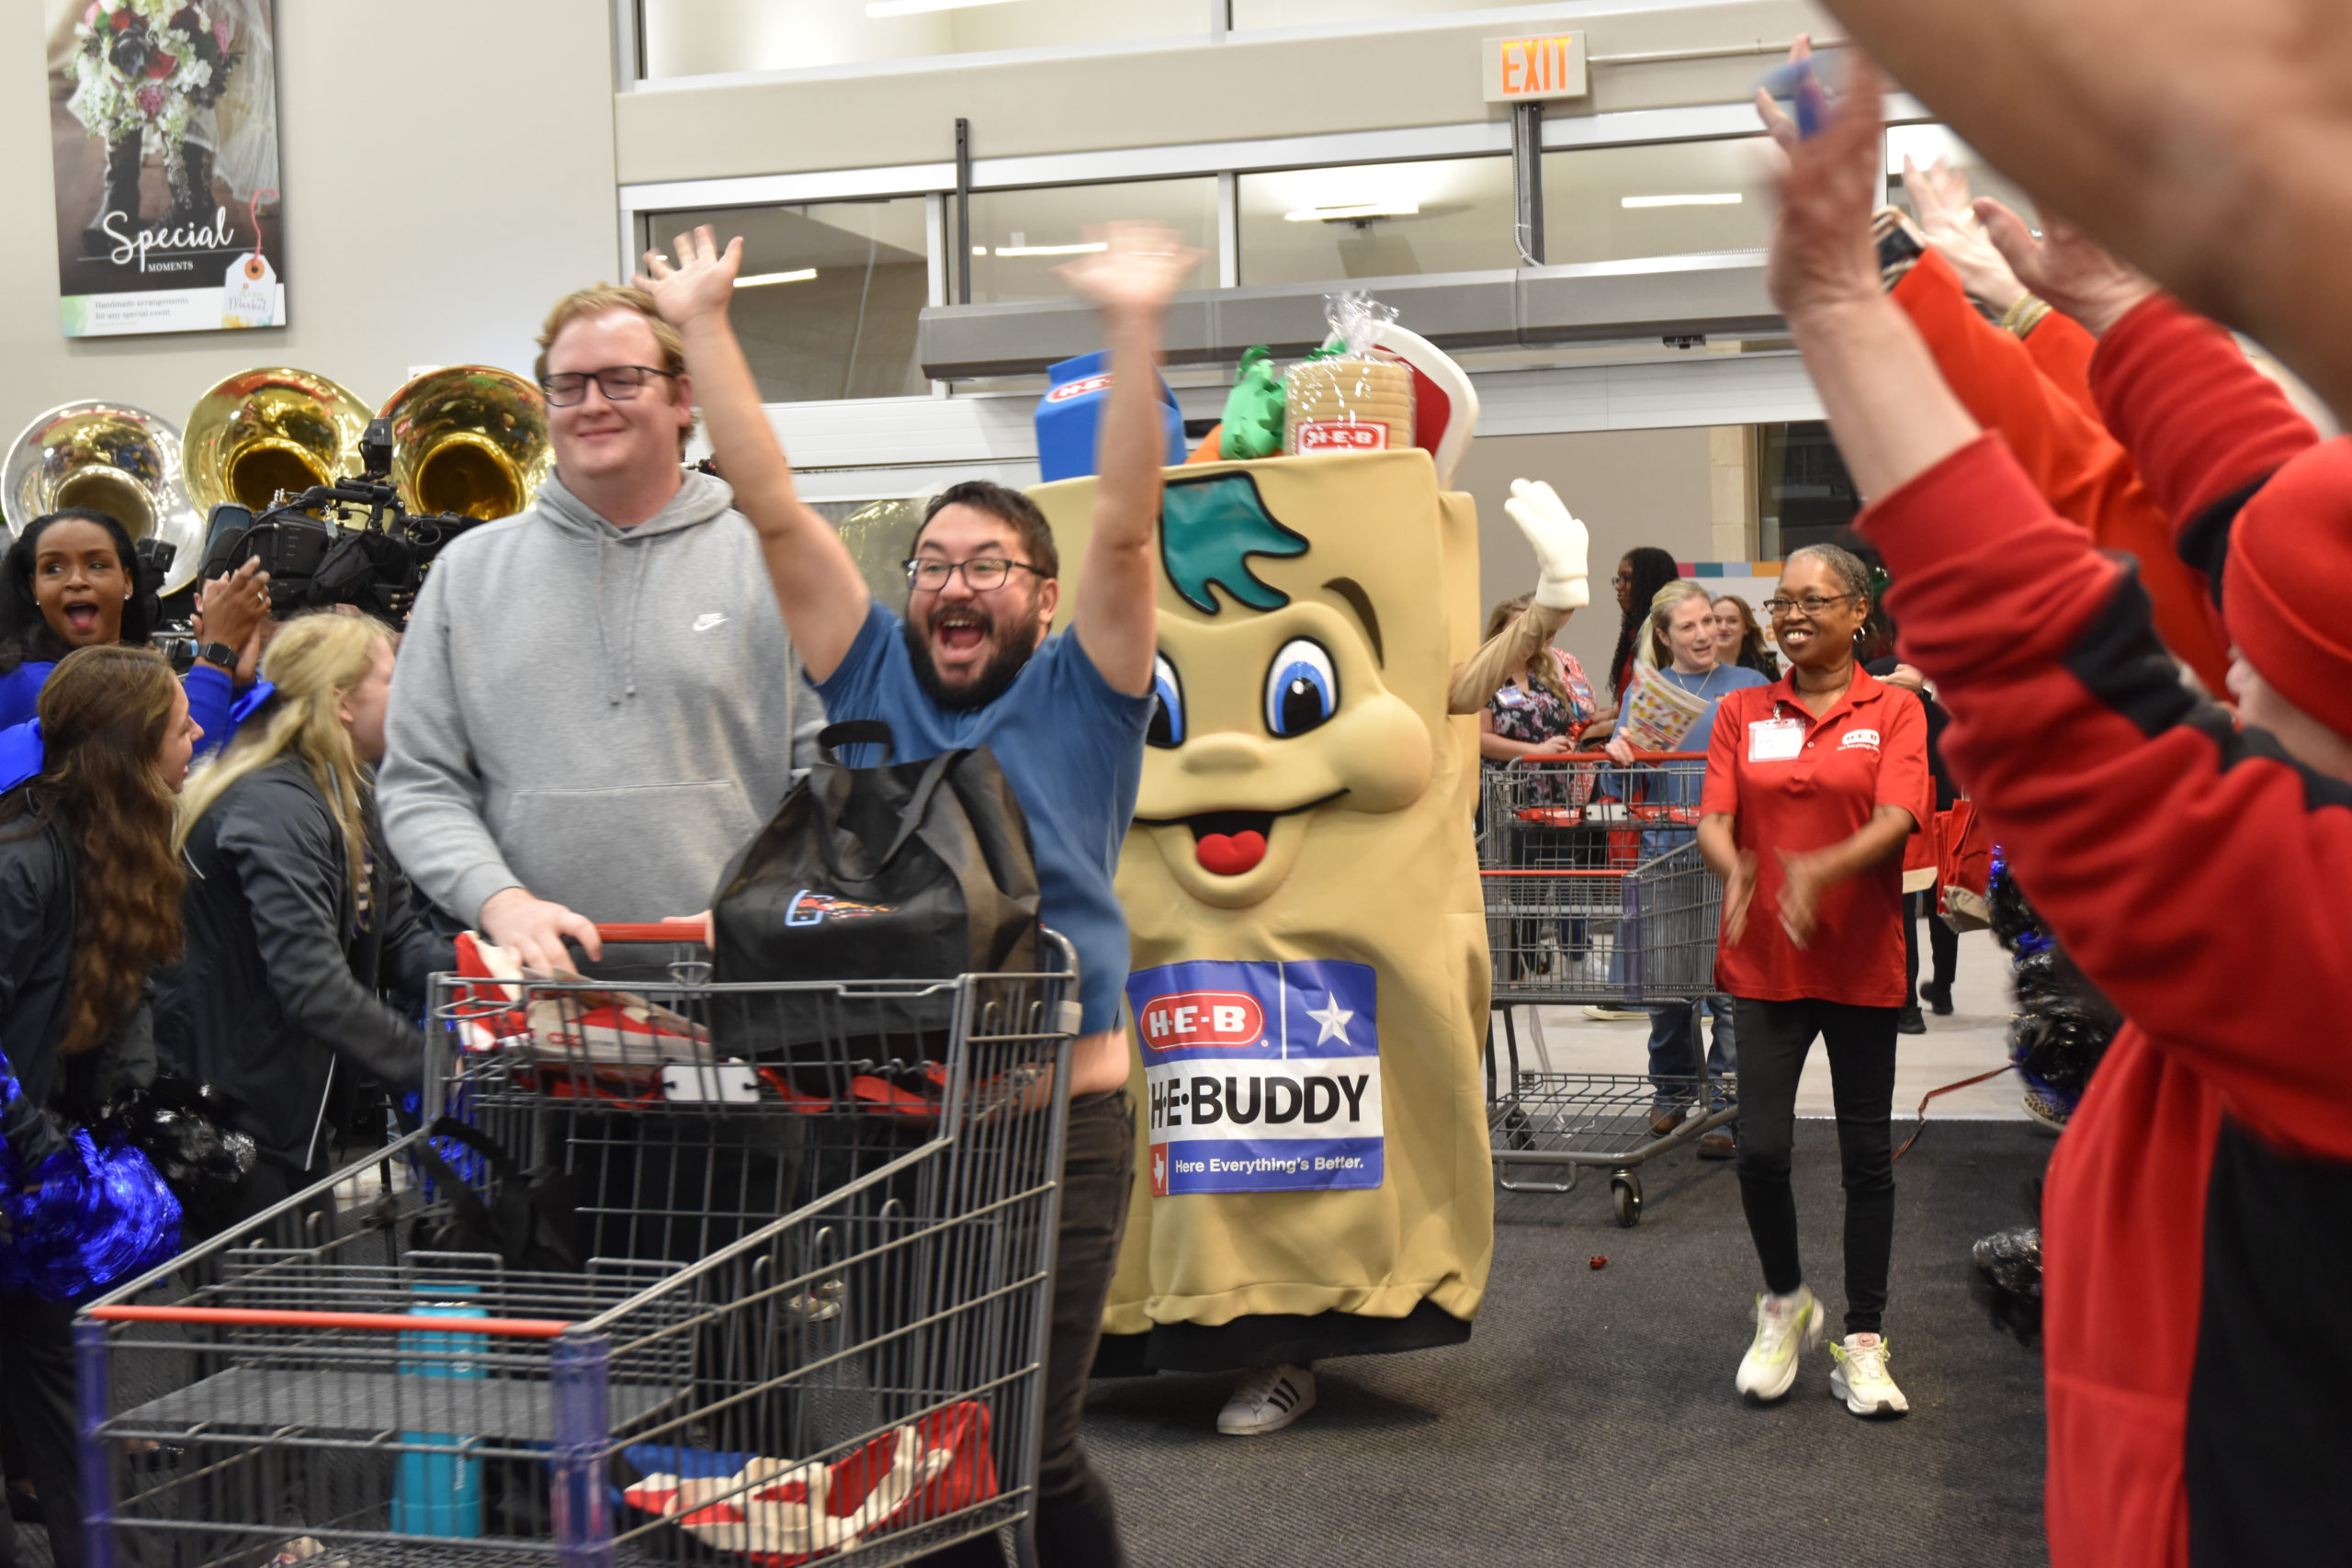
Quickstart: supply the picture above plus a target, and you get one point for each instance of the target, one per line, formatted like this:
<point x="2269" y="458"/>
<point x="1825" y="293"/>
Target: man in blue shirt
<point x="1064" y="716"/>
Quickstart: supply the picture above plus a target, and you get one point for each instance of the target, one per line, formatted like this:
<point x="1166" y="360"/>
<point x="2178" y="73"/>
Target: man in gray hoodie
<point x="595" y="705"/>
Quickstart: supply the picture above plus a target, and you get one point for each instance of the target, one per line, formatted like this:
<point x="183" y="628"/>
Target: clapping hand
<point x="1739" y="890"/>
<point x="1939" y="200"/>
<point x="701" y="282"/>
<point x="1562" y="545"/>
<point x="1802" y="885"/>
<point x="231" y="608"/>
<point x="2066" y="268"/>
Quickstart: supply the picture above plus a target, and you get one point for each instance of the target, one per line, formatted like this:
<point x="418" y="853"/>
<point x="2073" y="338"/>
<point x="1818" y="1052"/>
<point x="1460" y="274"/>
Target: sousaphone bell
<point x="469" y="439"/>
<point x="263" y="432"/>
<point x="113" y="459"/>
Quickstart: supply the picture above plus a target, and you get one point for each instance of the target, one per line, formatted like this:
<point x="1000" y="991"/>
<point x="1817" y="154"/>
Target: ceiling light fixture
<point x="1353" y="212"/>
<point x="879" y="8"/>
<point x="1087" y="248"/>
<point x="1716" y="198"/>
<point x="760" y="279"/>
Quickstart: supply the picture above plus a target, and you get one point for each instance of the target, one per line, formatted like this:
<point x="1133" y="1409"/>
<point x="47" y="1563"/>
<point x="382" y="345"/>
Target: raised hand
<point x="1939" y="200"/>
<point x="701" y="282"/>
<point x="1562" y="545"/>
<point x="1783" y="130"/>
<point x="1822" y="256"/>
<point x="2065" y="267"/>
<point x="1139" y="269"/>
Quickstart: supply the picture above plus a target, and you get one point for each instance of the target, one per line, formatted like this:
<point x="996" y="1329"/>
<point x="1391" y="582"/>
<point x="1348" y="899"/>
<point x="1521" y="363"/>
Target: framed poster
<point x="164" y="139"/>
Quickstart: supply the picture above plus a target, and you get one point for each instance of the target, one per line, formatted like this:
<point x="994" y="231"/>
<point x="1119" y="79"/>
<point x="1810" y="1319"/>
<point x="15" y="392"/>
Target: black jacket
<point x="35" y="969"/>
<point x="282" y="976"/>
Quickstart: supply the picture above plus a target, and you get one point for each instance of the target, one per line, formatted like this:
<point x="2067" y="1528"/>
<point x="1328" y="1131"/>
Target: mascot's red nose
<point x="1230" y="854"/>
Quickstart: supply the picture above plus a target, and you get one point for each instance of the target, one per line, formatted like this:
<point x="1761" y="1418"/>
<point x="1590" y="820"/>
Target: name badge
<point x="1775" y="740"/>
<point x="1511" y="698"/>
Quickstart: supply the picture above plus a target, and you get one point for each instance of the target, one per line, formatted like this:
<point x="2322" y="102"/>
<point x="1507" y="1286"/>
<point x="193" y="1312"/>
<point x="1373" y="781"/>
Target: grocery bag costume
<point x="1309" y="987"/>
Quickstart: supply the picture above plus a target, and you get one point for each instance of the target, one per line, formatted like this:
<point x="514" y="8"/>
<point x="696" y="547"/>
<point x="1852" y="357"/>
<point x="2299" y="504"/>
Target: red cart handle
<point x="687" y="932"/>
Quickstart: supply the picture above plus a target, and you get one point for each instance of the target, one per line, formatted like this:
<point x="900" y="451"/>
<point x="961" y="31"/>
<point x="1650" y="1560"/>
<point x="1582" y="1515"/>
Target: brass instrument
<point x="115" y="458"/>
<point x="260" y="432"/>
<point x="470" y="439"/>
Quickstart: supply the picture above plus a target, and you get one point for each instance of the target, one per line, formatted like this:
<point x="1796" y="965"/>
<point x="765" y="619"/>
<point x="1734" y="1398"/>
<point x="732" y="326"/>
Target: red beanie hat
<point x="2289" y="579"/>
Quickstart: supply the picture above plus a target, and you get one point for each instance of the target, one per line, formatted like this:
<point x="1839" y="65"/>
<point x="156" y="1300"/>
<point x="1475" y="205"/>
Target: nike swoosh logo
<point x="706" y="622"/>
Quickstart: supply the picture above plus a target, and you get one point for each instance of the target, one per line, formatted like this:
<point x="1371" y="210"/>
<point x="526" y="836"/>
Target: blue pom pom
<point x="94" y="1216"/>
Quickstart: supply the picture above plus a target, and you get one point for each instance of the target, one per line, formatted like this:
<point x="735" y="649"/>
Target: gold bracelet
<point x="2024" y="316"/>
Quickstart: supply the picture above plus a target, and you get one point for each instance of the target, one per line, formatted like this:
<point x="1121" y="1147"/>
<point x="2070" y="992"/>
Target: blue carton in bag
<point x="1069" y="416"/>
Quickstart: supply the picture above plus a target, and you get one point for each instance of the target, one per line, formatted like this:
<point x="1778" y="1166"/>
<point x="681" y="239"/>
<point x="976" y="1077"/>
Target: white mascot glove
<point x="1561" y="545"/>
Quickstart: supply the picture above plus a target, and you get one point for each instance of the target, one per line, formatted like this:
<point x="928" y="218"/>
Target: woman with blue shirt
<point x="71" y="580"/>
<point x="1680" y="648"/>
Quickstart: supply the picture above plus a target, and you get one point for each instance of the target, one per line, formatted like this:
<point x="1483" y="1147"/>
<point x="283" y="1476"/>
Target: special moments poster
<point x="164" y="131"/>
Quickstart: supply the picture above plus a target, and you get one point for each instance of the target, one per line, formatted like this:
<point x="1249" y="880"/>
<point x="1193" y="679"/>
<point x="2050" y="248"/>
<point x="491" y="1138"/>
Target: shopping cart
<point x="693" y="1273"/>
<point x="1594" y="893"/>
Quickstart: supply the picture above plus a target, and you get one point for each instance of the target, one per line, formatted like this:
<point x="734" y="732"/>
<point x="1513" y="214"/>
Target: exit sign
<point x="1551" y="66"/>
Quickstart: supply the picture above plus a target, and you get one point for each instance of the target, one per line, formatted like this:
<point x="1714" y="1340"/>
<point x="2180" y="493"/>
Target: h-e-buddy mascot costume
<point x="1310" y="979"/>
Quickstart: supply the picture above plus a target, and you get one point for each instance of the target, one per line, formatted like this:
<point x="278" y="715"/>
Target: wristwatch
<point x="219" y="653"/>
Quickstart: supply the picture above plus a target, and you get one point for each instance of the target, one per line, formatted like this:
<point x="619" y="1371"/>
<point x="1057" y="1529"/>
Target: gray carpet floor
<point x="1591" y="1417"/>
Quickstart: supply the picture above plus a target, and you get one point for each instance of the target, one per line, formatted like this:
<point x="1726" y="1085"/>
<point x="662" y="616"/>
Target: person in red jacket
<point x="2195" y="1210"/>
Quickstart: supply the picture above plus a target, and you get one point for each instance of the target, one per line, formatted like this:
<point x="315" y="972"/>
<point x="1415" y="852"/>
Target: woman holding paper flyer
<point x="1669" y="705"/>
<point x="1813" y="784"/>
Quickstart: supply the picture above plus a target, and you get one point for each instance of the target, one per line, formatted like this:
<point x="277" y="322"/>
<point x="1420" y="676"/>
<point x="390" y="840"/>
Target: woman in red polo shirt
<point x="1813" y="784"/>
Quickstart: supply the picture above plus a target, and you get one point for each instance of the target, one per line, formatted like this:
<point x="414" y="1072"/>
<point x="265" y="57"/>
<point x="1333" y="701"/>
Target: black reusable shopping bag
<point x="907" y="871"/>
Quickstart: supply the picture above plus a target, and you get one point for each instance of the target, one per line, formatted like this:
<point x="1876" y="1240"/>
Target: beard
<point x="1007" y="657"/>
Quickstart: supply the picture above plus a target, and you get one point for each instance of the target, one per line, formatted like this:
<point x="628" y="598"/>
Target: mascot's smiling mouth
<point x="1229" y="843"/>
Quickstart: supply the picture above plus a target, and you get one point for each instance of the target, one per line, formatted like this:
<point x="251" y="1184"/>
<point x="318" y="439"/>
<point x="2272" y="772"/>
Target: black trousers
<point x="37" y="1369"/>
<point x="1077" y="1525"/>
<point x="1774" y="1038"/>
<point x="1943" y="943"/>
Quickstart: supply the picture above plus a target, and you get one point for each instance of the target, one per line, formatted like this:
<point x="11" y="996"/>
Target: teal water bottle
<point x="439" y="1493"/>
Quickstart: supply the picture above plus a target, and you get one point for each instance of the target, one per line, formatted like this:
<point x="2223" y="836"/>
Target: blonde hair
<point x="314" y="661"/>
<point x="1654" y="651"/>
<point x="602" y="299"/>
<point x="1542" y="669"/>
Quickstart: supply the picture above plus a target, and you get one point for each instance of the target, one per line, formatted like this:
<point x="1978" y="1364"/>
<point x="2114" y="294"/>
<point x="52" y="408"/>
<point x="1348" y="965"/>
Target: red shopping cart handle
<point x="244" y="1317"/>
<point x="655" y="930"/>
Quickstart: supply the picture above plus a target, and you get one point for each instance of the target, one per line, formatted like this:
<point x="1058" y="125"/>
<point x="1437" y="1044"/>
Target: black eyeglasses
<point x="1812" y="604"/>
<point x="981" y="574"/>
<point x="619" y="383"/>
<point x="1622" y="579"/>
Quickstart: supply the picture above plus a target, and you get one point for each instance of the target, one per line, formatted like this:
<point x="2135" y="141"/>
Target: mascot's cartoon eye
<point x="1168" y="717"/>
<point x="1301" y="690"/>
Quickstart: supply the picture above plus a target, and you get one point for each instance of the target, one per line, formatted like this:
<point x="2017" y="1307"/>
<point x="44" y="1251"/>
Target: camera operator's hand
<point x="701" y="283"/>
<point x="534" y="929"/>
<point x="232" y="609"/>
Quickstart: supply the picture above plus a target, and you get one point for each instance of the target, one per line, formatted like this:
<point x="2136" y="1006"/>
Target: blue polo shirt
<point x="1070" y="746"/>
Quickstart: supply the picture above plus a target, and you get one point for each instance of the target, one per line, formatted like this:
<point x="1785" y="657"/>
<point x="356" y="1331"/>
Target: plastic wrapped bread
<point x="1344" y="398"/>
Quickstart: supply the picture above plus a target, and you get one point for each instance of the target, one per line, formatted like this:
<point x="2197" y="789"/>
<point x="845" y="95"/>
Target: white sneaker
<point x="1785" y="1327"/>
<point x="1860" y="1377"/>
<point x="1268" y="1399"/>
<point x="1613" y="1015"/>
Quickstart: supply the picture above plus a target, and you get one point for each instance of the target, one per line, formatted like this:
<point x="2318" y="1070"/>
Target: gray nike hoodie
<point x="602" y="716"/>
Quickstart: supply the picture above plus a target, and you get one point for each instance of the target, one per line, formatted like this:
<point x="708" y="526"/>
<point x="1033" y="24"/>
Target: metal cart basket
<point x="1594" y="893"/>
<point x="701" y="1273"/>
